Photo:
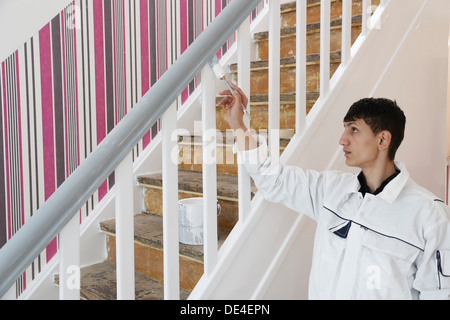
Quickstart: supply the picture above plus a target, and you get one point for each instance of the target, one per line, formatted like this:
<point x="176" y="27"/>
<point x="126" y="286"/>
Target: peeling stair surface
<point x="98" y="281"/>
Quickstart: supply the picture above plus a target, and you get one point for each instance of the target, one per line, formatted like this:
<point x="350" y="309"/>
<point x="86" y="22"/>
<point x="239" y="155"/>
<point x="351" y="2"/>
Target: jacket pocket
<point x="390" y="247"/>
<point x="388" y="267"/>
<point x="443" y="268"/>
<point x="327" y="261"/>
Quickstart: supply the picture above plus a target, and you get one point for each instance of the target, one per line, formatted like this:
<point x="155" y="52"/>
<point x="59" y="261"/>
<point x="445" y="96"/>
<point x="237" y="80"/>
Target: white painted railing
<point x="274" y="78"/>
<point x="170" y="207"/>
<point x="124" y="230"/>
<point x="300" y="70"/>
<point x="325" y="10"/>
<point x="209" y="169"/>
<point x="243" y="45"/>
<point x="346" y="32"/>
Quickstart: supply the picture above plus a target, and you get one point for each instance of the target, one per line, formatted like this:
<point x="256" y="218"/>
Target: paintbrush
<point x="221" y="75"/>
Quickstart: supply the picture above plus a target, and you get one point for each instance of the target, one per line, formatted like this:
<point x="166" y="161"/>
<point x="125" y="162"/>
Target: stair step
<point x="310" y="28"/>
<point x="285" y="98"/>
<point x="148" y="237"/>
<point x="190" y="185"/>
<point x="191" y="181"/>
<point x="98" y="282"/>
<point x="259" y="108"/>
<point x="190" y="155"/>
<point x="288" y="38"/>
<point x="311" y="59"/>
<point x="288" y="11"/>
<point x="259" y="73"/>
<point x="148" y="230"/>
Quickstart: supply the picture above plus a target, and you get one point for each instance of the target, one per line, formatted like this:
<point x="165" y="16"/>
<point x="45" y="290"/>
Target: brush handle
<point x="242" y="105"/>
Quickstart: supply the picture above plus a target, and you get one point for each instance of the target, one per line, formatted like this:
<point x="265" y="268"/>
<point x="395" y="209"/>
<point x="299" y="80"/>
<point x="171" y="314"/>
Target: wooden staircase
<point x="98" y="281"/>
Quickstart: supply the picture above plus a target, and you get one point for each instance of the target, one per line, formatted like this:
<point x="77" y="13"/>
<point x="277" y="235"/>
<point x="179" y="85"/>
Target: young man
<point x="379" y="235"/>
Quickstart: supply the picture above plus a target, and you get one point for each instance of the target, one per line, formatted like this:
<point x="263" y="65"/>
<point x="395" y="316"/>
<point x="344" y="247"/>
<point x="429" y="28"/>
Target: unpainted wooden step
<point x="190" y="147"/>
<point x="190" y="184"/>
<point x="288" y="11"/>
<point x="148" y="246"/>
<point x="259" y="81"/>
<point x="259" y="111"/>
<point x="288" y="38"/>
<point x="98" y="282"/>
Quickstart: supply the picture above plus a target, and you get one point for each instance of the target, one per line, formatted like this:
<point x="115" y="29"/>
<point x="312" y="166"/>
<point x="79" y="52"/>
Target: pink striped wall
<point x="66" y="88"/>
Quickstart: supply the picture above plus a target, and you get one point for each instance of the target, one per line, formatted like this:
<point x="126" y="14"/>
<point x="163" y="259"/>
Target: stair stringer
<point x="268" y="256"/>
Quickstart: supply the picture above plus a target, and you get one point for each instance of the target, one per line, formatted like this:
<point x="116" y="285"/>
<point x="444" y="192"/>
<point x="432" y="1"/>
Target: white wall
<point x="415" y="74"/>
<point x="20" y="19"/>
<point x="418" y="79"/>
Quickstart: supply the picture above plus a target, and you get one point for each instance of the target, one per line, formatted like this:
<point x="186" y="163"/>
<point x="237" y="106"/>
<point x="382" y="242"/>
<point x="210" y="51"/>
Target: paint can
<point x="190" y="214"/>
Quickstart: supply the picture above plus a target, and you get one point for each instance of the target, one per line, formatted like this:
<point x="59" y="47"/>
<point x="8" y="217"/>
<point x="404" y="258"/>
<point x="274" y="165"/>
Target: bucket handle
<point x="219" y="209"/>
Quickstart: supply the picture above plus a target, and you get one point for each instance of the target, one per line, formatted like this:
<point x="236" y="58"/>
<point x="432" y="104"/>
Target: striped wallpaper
<point x="67" y="87"/>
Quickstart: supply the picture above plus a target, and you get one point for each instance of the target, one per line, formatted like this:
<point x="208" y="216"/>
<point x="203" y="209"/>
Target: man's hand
<point x="232" y="102"/>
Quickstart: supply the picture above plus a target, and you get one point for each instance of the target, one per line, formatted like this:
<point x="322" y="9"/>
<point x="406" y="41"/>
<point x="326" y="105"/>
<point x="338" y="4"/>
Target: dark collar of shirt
<point x="365" y="189"/>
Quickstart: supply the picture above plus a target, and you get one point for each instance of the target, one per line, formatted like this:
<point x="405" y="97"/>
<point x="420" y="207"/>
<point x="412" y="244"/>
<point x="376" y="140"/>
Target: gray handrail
<point x="20" y="251"/>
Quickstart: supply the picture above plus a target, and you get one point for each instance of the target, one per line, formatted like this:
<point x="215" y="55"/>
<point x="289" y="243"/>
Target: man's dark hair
<point x="380" y="114"/>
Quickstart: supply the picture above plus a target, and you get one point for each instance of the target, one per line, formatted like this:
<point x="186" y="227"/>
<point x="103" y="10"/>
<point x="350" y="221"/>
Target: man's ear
<point x="384" y="140"/>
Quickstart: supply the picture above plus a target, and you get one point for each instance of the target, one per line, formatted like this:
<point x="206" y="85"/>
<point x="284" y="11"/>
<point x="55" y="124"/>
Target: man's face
<point x="360" y="144"/>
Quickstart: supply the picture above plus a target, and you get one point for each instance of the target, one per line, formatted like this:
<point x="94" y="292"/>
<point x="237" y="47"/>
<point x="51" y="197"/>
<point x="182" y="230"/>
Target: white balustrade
<point x="366" y="14"/>
<point x="346" y="31"/>
<point x="124" y="229"/>
<point x="209" y="169"/>
<point x="274" y="78"/>
<point x="300" y="83"/>
<point x="69" y="260"/>
<point x="243" y="52"/>
<point x="325" y="35"/>
<point x="170" y="205"/>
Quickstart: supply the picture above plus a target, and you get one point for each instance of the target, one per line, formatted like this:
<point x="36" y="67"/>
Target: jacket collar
<point x="392" y="190"/>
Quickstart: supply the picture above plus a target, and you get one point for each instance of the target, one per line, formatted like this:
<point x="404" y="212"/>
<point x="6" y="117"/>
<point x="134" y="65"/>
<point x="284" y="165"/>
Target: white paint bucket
<point x="190" y="214"/>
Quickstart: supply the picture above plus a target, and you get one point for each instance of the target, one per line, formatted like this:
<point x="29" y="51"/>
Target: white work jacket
<point x="395" y="245"/>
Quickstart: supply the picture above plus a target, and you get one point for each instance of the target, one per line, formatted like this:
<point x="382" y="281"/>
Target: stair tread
<point x="335" y="56"/>
<point x="284" y="97"/>
<point x="227" y="138"/>
<point x="98" y="282"/>
<point x="148" y="229"/>
<point x="227" y="185"/>
<point x="293" y="4"/>
<point x="310" y="27"/>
